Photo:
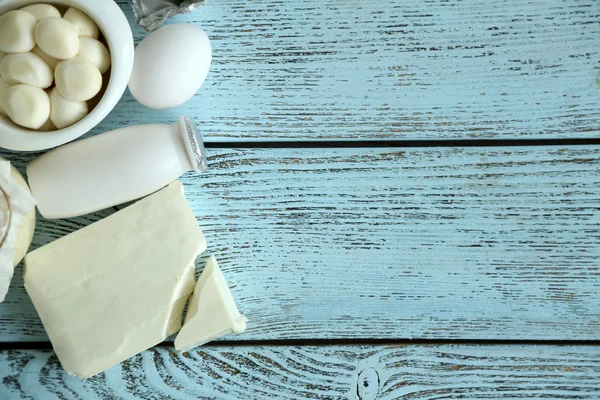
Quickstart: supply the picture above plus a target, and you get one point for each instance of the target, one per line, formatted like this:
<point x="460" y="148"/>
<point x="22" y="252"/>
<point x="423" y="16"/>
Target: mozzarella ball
<point x="3" y="86"/>
<point x="57" y="38"/>
<point x="26" y="105"/>
<point x="48" y="125"/>
<point x="96" y="52"/>
<point x="26" y="68"/>
<point x="77" y="79"/>
<point x="84" y="24"/>
<point x="16" y="32"/>
<point x="50" y="61"/>
<point x="63" y="112"/>
<point x="41" y="11"/>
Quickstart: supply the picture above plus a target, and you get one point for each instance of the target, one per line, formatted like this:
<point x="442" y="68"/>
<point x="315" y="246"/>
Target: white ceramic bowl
<point x="114" y="26"/>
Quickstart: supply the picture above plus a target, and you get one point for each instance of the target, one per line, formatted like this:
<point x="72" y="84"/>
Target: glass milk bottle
<point x="114" y="167"/>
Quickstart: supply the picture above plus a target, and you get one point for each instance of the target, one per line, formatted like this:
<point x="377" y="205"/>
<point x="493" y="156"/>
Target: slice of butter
<point x="118" y="286"/>
<point x="212" y="312"/>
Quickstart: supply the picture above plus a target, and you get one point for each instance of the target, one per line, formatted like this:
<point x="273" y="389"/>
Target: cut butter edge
<point x="212" y="312"/>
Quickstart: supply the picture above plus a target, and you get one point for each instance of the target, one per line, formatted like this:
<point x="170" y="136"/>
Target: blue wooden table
<point x="403" y="195"/>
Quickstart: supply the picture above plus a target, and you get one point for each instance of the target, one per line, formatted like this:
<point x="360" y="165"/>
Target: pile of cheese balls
<point x="50" y="66"/>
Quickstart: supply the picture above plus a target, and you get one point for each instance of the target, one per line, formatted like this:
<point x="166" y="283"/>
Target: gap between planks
<point x="283" y="144"/>
<point x="366" y="144"/>
<point x="43" y="345"/>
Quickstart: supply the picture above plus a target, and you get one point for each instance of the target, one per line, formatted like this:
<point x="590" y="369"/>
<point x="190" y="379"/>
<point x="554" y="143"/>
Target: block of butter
<point x="211" y="313"/>
<point x="119" y="286"/>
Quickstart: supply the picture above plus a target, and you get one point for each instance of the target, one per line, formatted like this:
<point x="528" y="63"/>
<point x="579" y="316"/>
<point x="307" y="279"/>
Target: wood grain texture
<point x="365" y="373"/>
<point x="478" y="243"/>
<point x="401" y="69"/>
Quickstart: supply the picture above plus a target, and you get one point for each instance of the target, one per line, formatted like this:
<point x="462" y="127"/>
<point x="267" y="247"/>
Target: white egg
<point x="26" y="68"/>
<point x="26" y="105"/>
<point x="96" y="52"/>
<point x="16" y="32"/>
<point x="84" y="24"/>
<point x="57" y="37"/>
<point x="77" y="79"/>
<point x="170" y="66"/>
<point x="63" y="112"/>
<point x="41" y="11"/>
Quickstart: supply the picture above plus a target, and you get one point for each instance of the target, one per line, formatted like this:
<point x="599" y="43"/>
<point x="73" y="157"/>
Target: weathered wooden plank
<point x="401" y="69"/>
<point x="477" y="243"/>
<point x="328" y="372"/>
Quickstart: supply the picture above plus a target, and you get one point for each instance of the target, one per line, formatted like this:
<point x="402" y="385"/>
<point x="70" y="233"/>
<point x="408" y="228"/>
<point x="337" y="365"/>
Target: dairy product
<point x="65" y="112"/>
<point x="78" y="79"/>
<point x="211" y="313"/>
<point x="83" y="23"/>
<point x="26" y="105"/>
<point x="16" y="32"/>
<point x="57" y="37"/>
<point x="26" y="68"/>
<point x="118" y="286"/>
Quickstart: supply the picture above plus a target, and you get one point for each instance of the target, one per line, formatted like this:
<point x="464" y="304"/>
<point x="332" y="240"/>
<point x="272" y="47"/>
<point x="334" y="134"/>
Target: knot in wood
<point x="367" y="386"/>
